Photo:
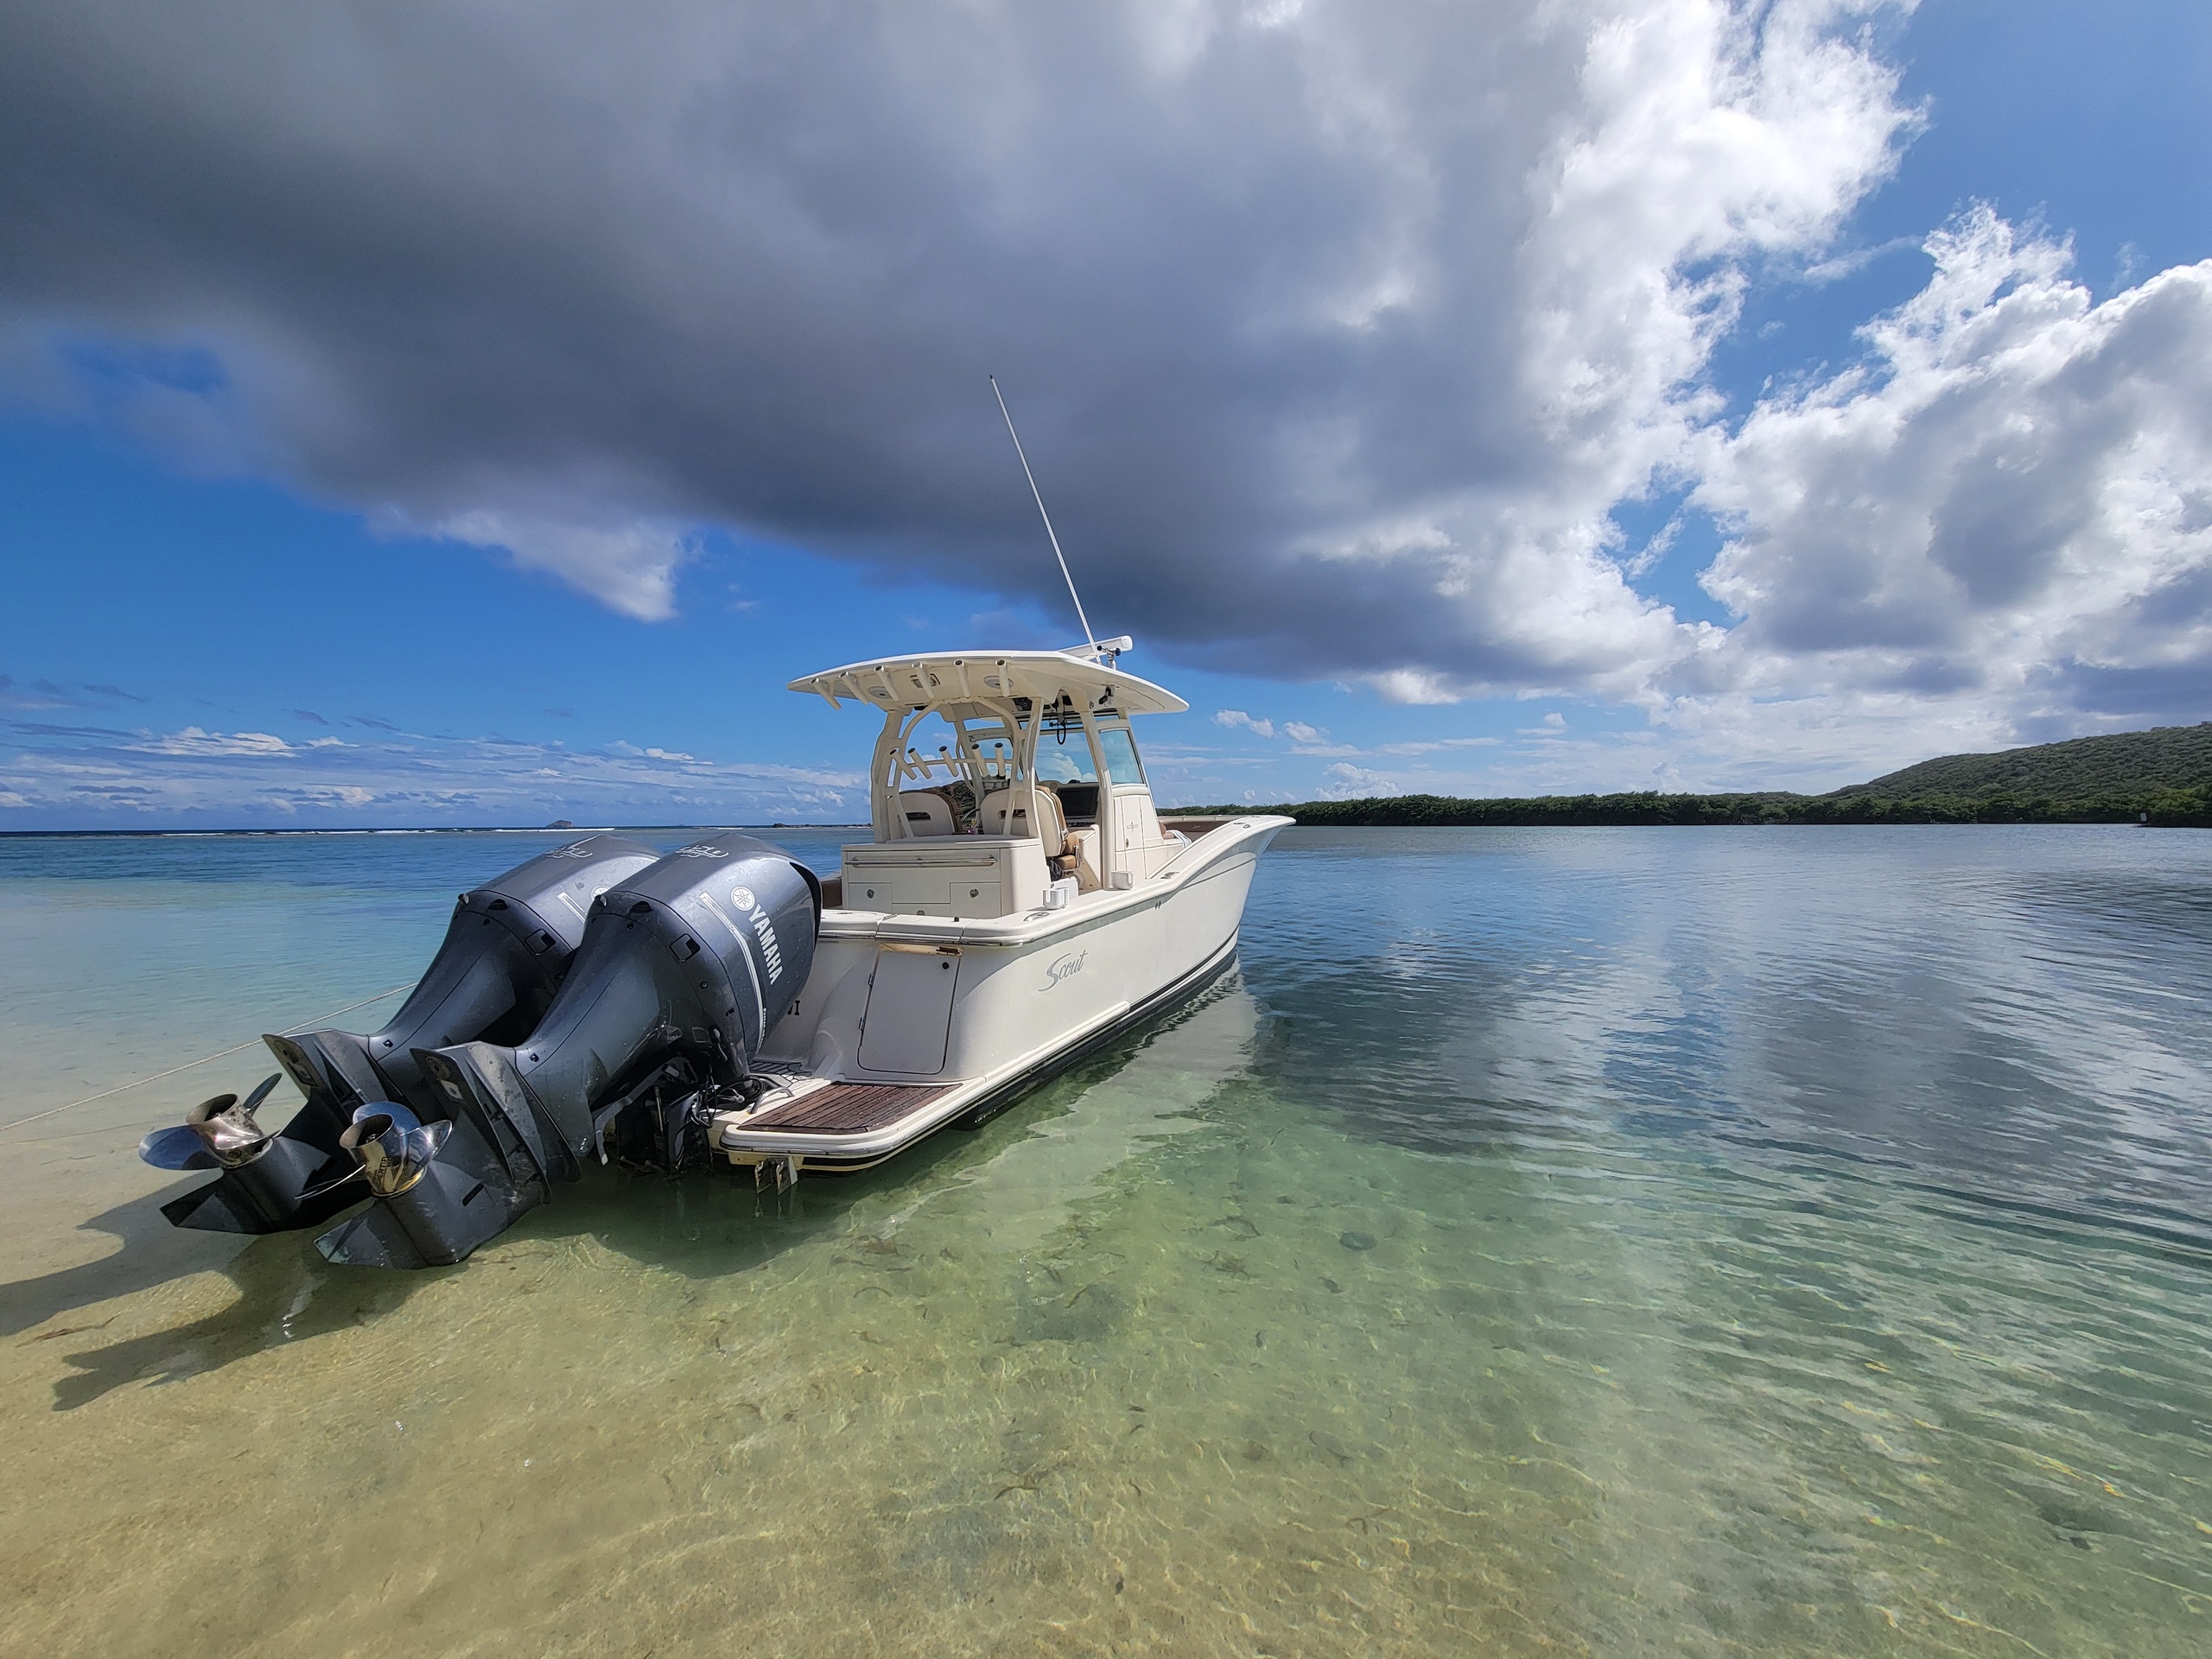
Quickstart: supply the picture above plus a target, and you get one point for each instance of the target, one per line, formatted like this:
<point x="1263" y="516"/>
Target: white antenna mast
<point x="1091" y="638"/>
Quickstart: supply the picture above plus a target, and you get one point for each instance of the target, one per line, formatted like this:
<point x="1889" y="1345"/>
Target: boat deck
<point x="1194" y="828"/>
<point x="849" y="1108"/>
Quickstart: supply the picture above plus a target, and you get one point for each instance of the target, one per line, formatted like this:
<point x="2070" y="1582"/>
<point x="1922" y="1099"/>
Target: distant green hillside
<point x="2169" y="807"/>
<point x="2161" y="776"/>
<point x="2085" y="768"/>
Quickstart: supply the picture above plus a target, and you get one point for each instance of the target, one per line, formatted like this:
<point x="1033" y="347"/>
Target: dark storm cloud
<point x="1334" y="331"/>
<point x="2178" y="695"/>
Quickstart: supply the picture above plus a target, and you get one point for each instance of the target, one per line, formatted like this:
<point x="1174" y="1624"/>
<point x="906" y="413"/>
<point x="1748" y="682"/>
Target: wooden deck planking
<point x="849" y="1108"/>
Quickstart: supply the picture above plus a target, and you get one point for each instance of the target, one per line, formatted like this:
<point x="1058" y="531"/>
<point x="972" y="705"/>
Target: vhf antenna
<point x="1090" y="638"/>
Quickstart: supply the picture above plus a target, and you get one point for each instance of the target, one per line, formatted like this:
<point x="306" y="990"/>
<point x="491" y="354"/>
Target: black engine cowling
<point x="683" y="970"/>
<point x="505" y="953"/>
<point x="509" y="947"/>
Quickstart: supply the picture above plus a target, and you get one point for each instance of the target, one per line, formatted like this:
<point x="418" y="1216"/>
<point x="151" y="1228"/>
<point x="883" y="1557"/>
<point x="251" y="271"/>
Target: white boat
<point x="1019" y="903"/>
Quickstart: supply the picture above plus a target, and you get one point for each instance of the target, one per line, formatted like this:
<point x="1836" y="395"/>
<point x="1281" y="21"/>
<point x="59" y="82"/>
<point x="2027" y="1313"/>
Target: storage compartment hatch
<point x="909" y="1010"/>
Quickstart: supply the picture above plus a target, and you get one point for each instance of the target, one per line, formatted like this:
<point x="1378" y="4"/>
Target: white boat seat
<point x="1006" y="812"/>
<point x="926" y="812"/>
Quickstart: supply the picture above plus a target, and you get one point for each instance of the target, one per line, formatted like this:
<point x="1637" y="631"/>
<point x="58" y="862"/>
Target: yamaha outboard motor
<point x="506" y="952"/>
<point x="684" y="970"/>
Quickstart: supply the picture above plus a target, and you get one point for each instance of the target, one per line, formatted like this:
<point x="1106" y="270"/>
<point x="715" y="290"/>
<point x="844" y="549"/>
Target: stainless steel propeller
<point x="393" y="1146"/>
<point x="220" y="1132"/>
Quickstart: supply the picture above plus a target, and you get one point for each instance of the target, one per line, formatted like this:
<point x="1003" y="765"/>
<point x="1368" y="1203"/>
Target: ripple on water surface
<point x="1608" y="1242"/>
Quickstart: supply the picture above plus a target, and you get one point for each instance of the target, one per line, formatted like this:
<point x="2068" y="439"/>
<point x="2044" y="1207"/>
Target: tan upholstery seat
<point x="1006" y="812"/>
<point x="926" y="812"/>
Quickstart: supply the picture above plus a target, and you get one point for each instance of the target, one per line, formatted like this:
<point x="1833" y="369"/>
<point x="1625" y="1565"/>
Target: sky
<point x="450" y="413"/>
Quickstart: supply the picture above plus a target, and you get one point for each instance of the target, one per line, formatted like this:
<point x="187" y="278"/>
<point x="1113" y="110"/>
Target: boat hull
<point x="942" y="1022"/>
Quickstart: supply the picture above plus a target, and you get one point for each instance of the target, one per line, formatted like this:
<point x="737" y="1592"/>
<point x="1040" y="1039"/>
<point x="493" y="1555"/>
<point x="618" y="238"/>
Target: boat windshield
<point x="1120" y="751"/>
<point x="1064" y="756"/>
<point x="937" y="764"/>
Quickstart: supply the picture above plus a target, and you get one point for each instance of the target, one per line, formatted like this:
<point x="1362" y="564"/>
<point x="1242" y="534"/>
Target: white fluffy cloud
<point x="2002" y="518"/>
<point x="1237" y="720"/>
<point x="198" y="744"/>
<point x="629" y="567"/>
<point x="1348" y="782"/>
<point x="76" y="775"/>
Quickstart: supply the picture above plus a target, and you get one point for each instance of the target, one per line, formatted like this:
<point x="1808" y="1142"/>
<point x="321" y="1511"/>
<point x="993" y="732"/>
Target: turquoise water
<point x="1623" y="1242"/>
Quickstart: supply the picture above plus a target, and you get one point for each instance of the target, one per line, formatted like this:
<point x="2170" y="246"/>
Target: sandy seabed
<point x="1152" y="1366"/>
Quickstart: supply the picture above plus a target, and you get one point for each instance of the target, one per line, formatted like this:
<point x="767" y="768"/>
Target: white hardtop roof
<point x="974" y="675"/>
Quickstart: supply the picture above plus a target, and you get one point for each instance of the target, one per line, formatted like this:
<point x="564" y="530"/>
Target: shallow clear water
<point x="1614" y="1241"/>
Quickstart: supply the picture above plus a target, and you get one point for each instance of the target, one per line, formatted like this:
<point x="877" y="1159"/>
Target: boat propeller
<point x="394" y="1149"/>
<point x="220" y="1132"/>
<point x="441" y="1190"/>
<point x="268" y="1182"/>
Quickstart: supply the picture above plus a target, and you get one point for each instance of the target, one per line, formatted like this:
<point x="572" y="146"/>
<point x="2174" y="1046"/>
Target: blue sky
<point x="249" y="583"/>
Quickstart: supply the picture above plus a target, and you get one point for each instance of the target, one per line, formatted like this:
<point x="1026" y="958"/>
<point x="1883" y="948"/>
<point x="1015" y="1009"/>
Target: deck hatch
<point x="909" y="1015"/>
